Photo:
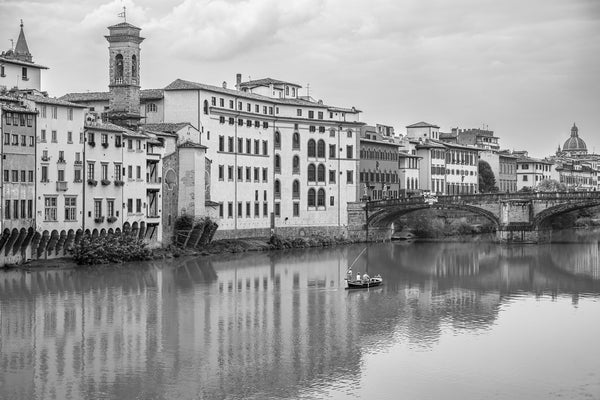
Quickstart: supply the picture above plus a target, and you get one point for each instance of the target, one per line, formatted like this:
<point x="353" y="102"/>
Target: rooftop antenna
<point x="308" y="90"/>
<point x="123" y="14"/>
<point x="12" y="44"/>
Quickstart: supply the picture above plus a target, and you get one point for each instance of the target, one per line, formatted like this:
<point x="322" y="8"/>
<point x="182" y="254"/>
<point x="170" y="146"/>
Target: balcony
<point x="111" y="219"/>
<point x="99" y="220"/>
<point x="78" y="162"/>
<point x="105" y="182"/>
<point x="119" y="183"/>
<point x="153" y="215"/>
<point x="61" y="186"/>
<point x="61" y="161"/>
<point x="45" y="158"/>
<point x="92" y="182"/>
<point x="92" y="144"/>
<point x="105" y="145"/>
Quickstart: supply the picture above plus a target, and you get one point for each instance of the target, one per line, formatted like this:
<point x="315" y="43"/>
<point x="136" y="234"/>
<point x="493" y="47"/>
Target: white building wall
<point x="13" y="76"/>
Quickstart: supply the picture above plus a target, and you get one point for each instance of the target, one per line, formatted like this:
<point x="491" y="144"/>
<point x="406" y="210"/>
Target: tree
<point x="487" y="180"/>
<point x="551" y="185"/>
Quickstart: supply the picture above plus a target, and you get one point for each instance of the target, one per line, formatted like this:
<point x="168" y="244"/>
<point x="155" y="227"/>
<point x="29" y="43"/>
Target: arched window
<point x="321" y="173"/>
<point x="296" y="165"/>
<point x="321" y="149"/>
<point x="134" y="67"/>
<point x="277" y="140"/>
<point x="296" y="189"/>
<point x="311" y="148"/>
<point x="119" y="68"/>
<point x="311" y="197"/>
<point x="277" y="189"/>
<point x="296" y="141"/>
<point x="321" y="198"/>
<point x="311" y="172"/>
<point x="277" y="163"/>
<point x="205" y="107"/>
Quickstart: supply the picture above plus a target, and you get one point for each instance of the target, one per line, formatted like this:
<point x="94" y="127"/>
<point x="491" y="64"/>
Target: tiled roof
<point x="190" y="144"/>
<point x="422" y="124"/>
<point x="166" y="127"/>
<point x="267" y="82"/>
<point x="145" y="94"/>
<point x="180" y="84"/>
<point x="52" y="101"/>
<point x="109" y="126"/>
<point x="21" y="62"/>
<point x="17" y="108"/>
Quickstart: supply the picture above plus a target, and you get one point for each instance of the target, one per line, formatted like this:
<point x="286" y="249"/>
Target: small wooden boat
<point x="365" y="282"/>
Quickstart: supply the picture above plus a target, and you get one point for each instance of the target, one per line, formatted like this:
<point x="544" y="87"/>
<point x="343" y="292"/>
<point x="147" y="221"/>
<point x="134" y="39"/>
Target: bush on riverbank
<point x="424" y="226"/>
<point x="110" y="249"/>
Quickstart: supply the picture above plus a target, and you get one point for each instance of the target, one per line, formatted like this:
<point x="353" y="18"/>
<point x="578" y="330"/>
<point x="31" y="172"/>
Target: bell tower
<point x="124" y="74"/>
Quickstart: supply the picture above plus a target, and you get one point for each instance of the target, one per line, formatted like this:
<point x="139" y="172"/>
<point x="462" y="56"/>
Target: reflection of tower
<point x="124" y="57"/>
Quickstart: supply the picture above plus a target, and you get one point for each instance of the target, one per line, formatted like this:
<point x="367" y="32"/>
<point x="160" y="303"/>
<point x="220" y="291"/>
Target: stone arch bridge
<point x="518" y="217"/>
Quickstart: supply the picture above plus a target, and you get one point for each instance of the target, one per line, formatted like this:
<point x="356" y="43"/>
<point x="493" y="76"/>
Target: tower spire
<point x="21" y="49"/>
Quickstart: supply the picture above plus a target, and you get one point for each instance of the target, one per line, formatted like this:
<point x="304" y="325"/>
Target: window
<point x="331" y="200"/>
<point x="230" y="144"/>
<point x="321" y="173"/>
<point x="256" y="146"/>
<point x="265" y="125"/>
<point x="296" y="209"/>
<point x="349" y="133"/>
<point x="296" y="189"/>
<point x="129" y="206"/>
<point x="332" y="151"/>
<point x="44" y="177"/>
<point x="299" y="112"/>
<point x="277" y="209"/>
<point x="70" y="137"/>
<point x="311" y="198"/>
<point x="16" y="208"/>
<point x="332" y="173"/>
<point x="23" y="140"/>
<point x="277" y="140"/>
<point x="54" y="111"/>
<point x="277" y="189"/>
<point x="296" y="141"/>
<point x="311" y="114"/>
<point x="221" y="143"/>
<point x="42" y="135"/>
<point x="221" y="210"/>
<point x="110" y="208"/>
<point x="118" y="171"/>
<point x="23" y="175"/>
<point x="230" y="173"/>
<point x="265" y="174"/>
<point x="230" y="209"/>
<point x="43" y="111"/>
<point x="138" y="205"/>
<point x="213" y="101"/>
<point x="221" y="172"/>
<point x="104" y="139"/>
<point x="296" y="165"/>
<point x="349" y="151"/>
<point x="256" y="174"/>
<point x="205" y="107"/>
<point x="239" y="209"/>
<point x="7" y="209"/>
<point x="90" y="172"/>
<point x="349" y="176"/>
<point x="321" y="149"/>
<point x="70" y="114"/>
<point x="248" y="208"/>
<point x="15" y="175"/>
<point x="311" y="148"/>
<point x="24" y="74"/>
<point x="277" y="164"/>
<point x="265" y="147"/>
<point x="15" y="140"/>
<point x="312" y="128"/>
<point x="311" y="173"/>
<point x="265" y="209"/>
<point x="320" y="116"/>
<point x="70" y="208"/>
<point x="6" y="175"/>
<point x="61" y="175"/>
<point x="97" y="208"/>
<point x="138" y="172"/>
<point x="321" y="198"/>
<point x="104" y="171"/>
<point x="50" y="208"/>
<point x="7" y="138"/>
<point x="240" y="174"/>
<point x="29" y="208"/>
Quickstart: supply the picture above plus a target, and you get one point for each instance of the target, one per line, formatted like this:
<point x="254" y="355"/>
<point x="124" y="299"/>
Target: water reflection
<point x="259" y="325"/>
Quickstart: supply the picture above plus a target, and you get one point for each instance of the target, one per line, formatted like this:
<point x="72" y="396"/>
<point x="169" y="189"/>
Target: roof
<point x="146" y="94"/>
<point x="423" y="124"/>
<point x="21" y="49"/>
<point x="533" y="160"/>
<point x="167" y="127"/>
<point x="109" y="126"/>
<point x="188" y="144"/>
<point x="266" y="82"/>
<point x="5" y="58"/>
<point x="380" y="141"/>
<point x="17" y="108"/>
<point x="448" y="135"/>
<point x="180" y="84"/>
<point x="52" y="101"/>
<point x="124" y="25"/>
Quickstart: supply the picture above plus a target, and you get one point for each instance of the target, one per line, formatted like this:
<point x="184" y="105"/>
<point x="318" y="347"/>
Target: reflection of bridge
<point x="518" y="217"/>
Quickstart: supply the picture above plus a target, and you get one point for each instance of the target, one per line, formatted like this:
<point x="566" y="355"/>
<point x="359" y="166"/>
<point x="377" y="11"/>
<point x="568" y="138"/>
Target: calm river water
<point x="452" y="321"/>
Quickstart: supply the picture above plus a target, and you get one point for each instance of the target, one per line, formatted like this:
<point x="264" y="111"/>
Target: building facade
<point x="379" y="165"/>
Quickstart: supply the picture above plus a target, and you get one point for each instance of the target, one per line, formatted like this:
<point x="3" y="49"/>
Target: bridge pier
<point x="524" y="233"/>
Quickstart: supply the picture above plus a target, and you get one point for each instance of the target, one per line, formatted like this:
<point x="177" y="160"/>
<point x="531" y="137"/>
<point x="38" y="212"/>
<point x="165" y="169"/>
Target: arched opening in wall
<point x="43" y="243"/>
<point x="95" y="233"/>
<point x="88" y="232"/>
<point x="277" y="140"/>
<point x="134" y="68"/>
<point x="135" y="229"/>
<point x="311" y="148"/>
<point x="311" y="197"/>
<point x="296" y="141"/>
<point x="110" y="231"/>
<point x="78" y="236"/>
<point x="14" y="234"/>
<point x="27" y="241"/>
<point x="17" y="245"/>
<point x="126" y="227"/>
<point x="119" y="68"/>
<point x="4" y="238"/>
<point x="142" y="229"/>
<point x="117" y="231"/>
<point x="321" y="149"/>
<point x="277" y="162"/>
<point x="321" y="198"/>
<point x="312" y="173"/>
<point x="35" y="242"/>
<point x="321" y="173"/>
<point x="170" y="179"/>
<point x="277" y="189"/>
<point x="69" y="243"/>
<point x="102" y="232"/>
<point x="296" y="165"/>
<point x="52" y="242"/>
<point x="296" y="189"/>
<point x="62" y="238"/>
<point x="205" y="107"/>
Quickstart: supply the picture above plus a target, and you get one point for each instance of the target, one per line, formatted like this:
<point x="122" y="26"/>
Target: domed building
<point x="574" y="145"/>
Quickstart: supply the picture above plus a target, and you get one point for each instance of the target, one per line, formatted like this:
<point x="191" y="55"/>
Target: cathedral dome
<point x="575" y="143"/>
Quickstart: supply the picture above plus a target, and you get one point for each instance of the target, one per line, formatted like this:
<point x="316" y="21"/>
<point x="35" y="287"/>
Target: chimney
<point x="224" y="85"/>
<point x="238" y="81"/>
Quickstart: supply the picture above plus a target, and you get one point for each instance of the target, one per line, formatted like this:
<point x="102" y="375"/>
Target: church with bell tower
<point x="124" y="74"/>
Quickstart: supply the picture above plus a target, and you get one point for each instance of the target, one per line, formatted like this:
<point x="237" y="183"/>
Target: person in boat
<point x="349" y="274"/>
<point x="366" y="278"/>
<point x="358" y="276"/>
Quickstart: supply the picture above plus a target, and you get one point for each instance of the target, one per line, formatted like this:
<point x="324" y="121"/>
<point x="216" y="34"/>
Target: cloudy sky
<point x="525" y="69"/>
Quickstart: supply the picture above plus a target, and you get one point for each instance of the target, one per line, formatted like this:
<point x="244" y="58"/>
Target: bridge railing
<point x="488" y="197"/>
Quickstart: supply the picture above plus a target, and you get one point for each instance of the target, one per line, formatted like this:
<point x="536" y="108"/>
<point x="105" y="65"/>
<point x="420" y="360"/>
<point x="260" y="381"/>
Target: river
<point x="453" y="320"/>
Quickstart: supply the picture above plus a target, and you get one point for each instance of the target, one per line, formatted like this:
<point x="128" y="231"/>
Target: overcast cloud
<point x="527" y="70"/>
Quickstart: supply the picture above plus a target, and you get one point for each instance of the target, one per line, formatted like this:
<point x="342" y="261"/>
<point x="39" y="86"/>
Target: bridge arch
<point x="542" y="219"/>
<point x="383" y="217"/>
